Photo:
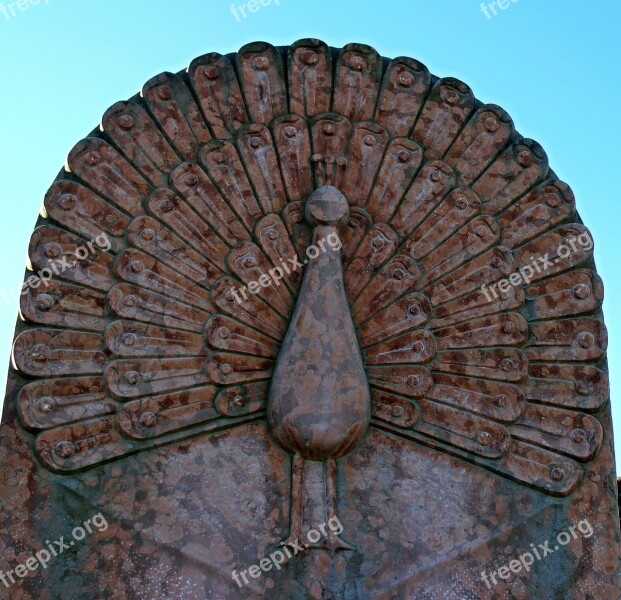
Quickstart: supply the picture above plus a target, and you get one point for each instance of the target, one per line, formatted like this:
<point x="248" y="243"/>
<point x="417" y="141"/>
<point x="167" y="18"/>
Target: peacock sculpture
<point x="414" y="322"/>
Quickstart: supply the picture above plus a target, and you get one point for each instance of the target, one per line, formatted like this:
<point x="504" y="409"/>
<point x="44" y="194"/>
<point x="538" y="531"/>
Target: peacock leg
<point x="333" y="541"/>
<point x="297" y="500"/>
<point x="314" y="523"/>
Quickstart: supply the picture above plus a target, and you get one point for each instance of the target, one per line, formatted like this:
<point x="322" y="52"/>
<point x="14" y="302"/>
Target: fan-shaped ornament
<point x="299" y="287"/>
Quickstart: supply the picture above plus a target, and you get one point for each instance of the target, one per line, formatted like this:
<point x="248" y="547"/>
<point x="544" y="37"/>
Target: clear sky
<point x="554" y="65"/>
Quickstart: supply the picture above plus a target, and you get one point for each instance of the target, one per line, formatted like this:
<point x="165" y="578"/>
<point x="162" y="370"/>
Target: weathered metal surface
<point x="214" y="382"/>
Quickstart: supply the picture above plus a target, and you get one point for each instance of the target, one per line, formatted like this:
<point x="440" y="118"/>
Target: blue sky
<point x="553" y="65"/>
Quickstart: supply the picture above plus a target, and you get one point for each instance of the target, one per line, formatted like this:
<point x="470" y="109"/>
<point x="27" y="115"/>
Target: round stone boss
<point x="305" y="322"/>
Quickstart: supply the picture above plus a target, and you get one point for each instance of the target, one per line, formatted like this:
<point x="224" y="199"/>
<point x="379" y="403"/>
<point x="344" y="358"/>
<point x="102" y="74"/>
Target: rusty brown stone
<point x="211" y="410"/>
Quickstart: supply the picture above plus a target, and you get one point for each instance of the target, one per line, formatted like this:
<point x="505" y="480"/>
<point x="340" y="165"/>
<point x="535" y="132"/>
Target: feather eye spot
<point x="136" y="266"/>
<point x="585" y="339"/>
<point x="46" y="404"/>
<point x="501" y="401"/>
<point x="309" y="58"/>
<point x="65" y="449"/>
<point x="132" y="377"/>
<point x="52" y="250"/>
<point x="190" y="180"/>
<point x="44" y="302"/>
<point x="211" y="72"/>
<point x="147" y="234"/>
<point x="369" y="140"/>
<point x="405" y="79"/>
<point x="148" y="419"/>
<point x="40" y="353"/>
<point x="67" y="201"/>
<point x="484" y="438"/>
<point x="165" y="92"/>
<point x="92" y="158"/>
<point x="129" y="339"/>
<point x="557" y="473"/>
<point x="260" y="63"/>
<point x="404" y="156"/>
<point x="581" y="291"/>
<point x="125" y="122"/>
<point x="507" y="365"/>
<point x="490" y="124"/>
<point x="357" y="63"/>
<point x="578" y="436"/>
<point x="584" y="387"/>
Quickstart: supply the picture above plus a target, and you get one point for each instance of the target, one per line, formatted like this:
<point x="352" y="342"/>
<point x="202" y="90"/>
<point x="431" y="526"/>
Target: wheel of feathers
<point x="462" y="312"/>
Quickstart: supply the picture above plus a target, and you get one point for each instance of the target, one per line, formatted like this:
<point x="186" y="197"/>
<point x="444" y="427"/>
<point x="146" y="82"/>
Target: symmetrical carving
<point x="202" y="185"/>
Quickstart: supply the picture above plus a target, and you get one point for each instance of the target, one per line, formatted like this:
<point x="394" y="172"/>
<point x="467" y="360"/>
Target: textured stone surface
<point x="447" y="426"/>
